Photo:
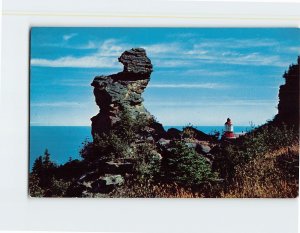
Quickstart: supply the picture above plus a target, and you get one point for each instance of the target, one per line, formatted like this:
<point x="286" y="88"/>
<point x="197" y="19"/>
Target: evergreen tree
<point x="37" y="166"/>
<point x="186" y="167"/>
<point x="47" y="163"/>
<point x="44" y="169"/>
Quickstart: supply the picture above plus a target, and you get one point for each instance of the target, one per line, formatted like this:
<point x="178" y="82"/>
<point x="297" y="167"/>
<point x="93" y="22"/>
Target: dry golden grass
<point x="273" y="175"/>
<point x="154" y="191"/>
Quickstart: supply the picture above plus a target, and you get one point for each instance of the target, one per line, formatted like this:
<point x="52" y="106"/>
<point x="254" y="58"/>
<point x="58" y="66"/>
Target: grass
<point x="272" y="175"/>
<point x="149" y="190"/>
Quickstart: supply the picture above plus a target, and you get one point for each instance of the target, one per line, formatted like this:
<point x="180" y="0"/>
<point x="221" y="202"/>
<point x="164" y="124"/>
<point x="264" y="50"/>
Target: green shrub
<point x="183" y="166"/>
<point x="188" y="132"/>
<point x="147" y="162"/>
<point x="44" y="169"/>
<point x="255" y="143"/>
<point x="265" y="139"/>
<point x="117" y="143"/>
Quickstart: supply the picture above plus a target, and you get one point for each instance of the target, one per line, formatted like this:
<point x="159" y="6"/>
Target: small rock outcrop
<point x="288" y="107"/>
<point x="117" y="92"/>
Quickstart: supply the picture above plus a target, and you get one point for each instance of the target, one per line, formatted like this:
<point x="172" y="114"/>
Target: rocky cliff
<point x="123" y="91"/>
<point x="288" y="107"/>
<point x="112" y="161"/>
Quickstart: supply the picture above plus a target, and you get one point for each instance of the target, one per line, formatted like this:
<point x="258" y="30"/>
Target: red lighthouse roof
<point x="228" y="122"/>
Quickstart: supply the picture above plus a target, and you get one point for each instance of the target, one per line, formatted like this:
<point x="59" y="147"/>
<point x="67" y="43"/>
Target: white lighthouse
<point x="228" y="128"/>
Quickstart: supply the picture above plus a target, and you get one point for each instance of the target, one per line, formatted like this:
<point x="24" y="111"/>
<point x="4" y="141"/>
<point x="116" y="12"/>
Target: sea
<point x="65" y="142"/>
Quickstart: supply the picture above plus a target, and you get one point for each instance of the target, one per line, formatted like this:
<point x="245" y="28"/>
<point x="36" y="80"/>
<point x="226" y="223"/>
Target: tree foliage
<point x="117" y="142"/>
<point x="182" y="165"/>
<point x="256" y="143"/>
<point x="43" y="181"/>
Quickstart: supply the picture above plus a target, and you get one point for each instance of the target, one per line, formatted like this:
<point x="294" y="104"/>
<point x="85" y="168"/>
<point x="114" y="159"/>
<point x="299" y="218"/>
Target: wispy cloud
<point x="169" y="63"/>
<point x="255" y="59"/>
<point x="73" y="83"/>
<point x="219" y="53"/>
<point x="55" y="104"/>
<point x="233" y="43"/>
<point x="172" y="54"/>
<point x="163" y="48"/>
<point x="209" y="72"/>
<point x="294" y="49"/>
<point x="216" y="102"/>
<point x="222" y="56"/>
<point x="105" y="57"/>
<point x="88" y="45"/>
<point x="69" y="36"/>
<point x="94" y="61"/>
<point x="190" y="86"/>
<point x="194" y="72"/>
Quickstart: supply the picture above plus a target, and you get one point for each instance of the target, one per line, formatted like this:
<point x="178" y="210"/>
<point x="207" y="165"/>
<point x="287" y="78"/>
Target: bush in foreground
<point x="185" y="167"/>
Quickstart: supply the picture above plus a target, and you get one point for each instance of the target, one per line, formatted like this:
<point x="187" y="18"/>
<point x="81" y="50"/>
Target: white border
<point x="18" y="212"/>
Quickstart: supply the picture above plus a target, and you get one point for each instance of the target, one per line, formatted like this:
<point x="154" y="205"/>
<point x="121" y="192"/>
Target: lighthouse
<point x="228" y="128"/>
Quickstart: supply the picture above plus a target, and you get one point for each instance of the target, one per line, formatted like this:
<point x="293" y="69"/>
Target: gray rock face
<point x="107" y="183"/>
<point x="288" y="106"/>
<point x="135" y="61"/>
<point x="116" y="92"/>
<point x="205" y="148"/>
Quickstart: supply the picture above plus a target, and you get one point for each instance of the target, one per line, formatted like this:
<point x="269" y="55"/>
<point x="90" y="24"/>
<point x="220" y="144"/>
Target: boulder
<point x="106" y="183"/>
<point x="191" y="145"/>
<point x="163" y="143"/>
<point x="203" y="148"/>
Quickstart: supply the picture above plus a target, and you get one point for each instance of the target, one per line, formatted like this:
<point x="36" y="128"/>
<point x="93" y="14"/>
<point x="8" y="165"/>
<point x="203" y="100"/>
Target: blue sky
<point x="201" y="75"/>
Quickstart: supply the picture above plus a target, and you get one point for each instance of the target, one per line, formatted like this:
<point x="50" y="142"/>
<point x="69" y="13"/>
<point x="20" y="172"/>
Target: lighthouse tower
<point x="228" y="129"/>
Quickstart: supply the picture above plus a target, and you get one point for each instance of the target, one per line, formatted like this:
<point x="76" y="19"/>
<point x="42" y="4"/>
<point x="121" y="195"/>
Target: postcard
<point x="164" y="112"/>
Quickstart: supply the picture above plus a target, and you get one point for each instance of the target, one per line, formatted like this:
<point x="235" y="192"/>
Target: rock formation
<point x="117" y="92"/>
<point x="288" y="107"/>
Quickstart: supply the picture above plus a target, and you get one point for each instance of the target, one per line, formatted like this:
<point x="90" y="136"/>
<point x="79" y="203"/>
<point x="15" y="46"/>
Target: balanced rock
<point x="121" y="92"/>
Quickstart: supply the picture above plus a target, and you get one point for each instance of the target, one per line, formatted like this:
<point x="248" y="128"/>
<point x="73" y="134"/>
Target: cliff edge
<point x="288" y="106"/>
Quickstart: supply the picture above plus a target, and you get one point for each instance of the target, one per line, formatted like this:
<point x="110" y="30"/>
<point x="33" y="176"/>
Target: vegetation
<point x="262" y="163"/>
<point x="183" y="166"/>
<point x="254" y="158"/>
<point x="138" y="189"/>
<point x="117" y="143"/>
<point x="44" y="181"/>
<point x="147" y="163"/>
<point x="274" y="174"/>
